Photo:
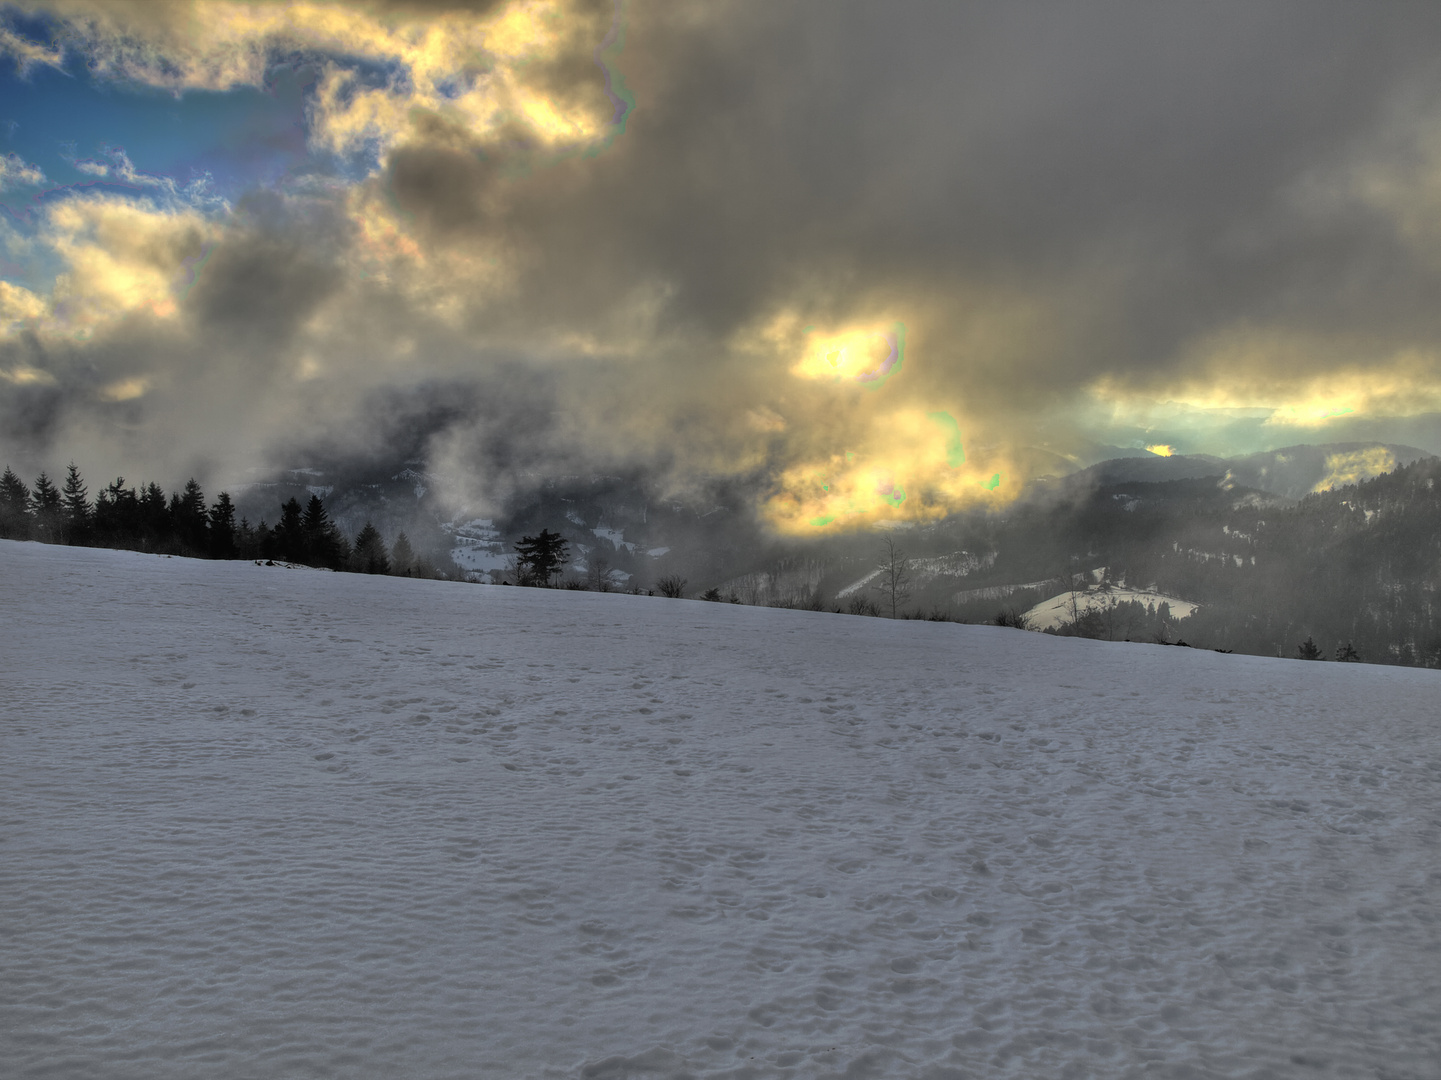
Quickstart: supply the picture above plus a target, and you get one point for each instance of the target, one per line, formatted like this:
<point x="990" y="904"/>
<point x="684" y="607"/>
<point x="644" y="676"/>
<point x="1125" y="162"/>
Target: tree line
<point x="146" y="518"/>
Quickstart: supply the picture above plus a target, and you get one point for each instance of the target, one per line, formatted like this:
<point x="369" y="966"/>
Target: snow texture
<point x="1063" y="608"/>
<point x="264" y="822"/>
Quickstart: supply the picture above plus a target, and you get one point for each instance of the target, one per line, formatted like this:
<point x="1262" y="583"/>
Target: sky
<point x="868" y="261"/>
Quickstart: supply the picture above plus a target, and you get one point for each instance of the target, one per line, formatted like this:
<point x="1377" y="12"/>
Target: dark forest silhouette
<point x="146" y="519"/>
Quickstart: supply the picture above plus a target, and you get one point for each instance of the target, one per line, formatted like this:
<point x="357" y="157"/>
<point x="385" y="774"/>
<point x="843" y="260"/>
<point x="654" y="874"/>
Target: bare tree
<point x="1013" y="618"/>
<point x="599" y="576"/>
<point x="672" y="585"/>
<point x="895" y="576"/>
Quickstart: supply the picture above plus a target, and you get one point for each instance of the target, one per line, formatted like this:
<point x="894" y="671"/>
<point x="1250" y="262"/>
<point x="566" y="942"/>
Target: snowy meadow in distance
<point x="264" y="822"/>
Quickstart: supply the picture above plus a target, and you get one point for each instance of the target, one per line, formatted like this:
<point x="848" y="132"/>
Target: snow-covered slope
<point x="1065" y="607"/>
<point x="262" y="822"/>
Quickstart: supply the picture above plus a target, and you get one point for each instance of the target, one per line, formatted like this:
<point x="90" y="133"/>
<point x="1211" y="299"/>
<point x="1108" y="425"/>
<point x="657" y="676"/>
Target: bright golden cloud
<point x="1353" y="466"/>
<point x="386" y="74"/>
<point x="857" y="446"/>
<point x="120" y="257"/>
<point x="1292" y="379"/>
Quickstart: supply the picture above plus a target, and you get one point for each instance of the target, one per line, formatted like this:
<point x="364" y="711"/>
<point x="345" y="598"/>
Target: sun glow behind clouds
<point x="892" y="458"/>
<point x="865" y="356"/>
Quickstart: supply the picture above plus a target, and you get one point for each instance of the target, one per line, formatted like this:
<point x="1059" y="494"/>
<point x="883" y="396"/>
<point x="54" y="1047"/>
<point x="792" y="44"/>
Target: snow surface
<point x="616" y="537"/>
<point x="1057" y="611"/>
<point x="481" y="557"/>
<point x="267" y="822"/>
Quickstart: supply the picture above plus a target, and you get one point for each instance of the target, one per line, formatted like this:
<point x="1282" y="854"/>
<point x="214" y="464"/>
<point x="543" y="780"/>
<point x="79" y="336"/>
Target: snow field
<point x="263" y="822"/>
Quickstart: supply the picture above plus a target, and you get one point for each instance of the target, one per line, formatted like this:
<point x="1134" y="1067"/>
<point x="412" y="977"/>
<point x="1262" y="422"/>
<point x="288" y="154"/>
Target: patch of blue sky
<point x="240" y="139"/>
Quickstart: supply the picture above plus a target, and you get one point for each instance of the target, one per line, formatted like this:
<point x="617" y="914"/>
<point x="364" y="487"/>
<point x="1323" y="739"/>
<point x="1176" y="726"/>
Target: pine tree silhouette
<point x="324" y="546"/>
<point x="369" y="555"/>
<point x="222" y="527"/>
<point x="76" y="506"/>
<point x="117" y="515"/>
<point x="14" y="507"/>
<point x="156" y="531"/>
<point x="289" y="542"/>
<point x="402" y="557"/>
<point x="540" y="557"/>
<point x="45" y="506"/>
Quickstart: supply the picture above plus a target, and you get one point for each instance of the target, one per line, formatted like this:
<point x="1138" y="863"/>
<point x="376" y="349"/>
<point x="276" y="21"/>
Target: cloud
<point x="114" y="165"/>
<point x="820" y="227"/>
<point x="27" y="54"/>
<point x="472" y="75"/>
<point x="15" y="171"/>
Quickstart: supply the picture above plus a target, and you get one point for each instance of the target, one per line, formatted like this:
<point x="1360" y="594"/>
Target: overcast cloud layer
<point x="881" y="260"/>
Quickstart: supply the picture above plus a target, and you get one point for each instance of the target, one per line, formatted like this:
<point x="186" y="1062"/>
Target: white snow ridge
<point x="261" y="822"/>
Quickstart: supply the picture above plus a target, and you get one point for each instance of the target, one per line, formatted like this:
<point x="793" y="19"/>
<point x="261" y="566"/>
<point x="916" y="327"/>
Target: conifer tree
<point x="222" y="528"/>
<point x="45" y="506"/>
<point x="1309" y="650"/>
<point x="264" y="541"/>
<point x="156" y="533"/>
<point x="75" y="503"/>
<point x="14" y="507"/>
<point x="539" y="558"/>
<point x="192" y="525"/>
<point x="369" y="554"/>
<point x="324" y="546"/>
<point x="289" y="542"/>
<point x="402" y="558"/>
<point x="117" y="515"/>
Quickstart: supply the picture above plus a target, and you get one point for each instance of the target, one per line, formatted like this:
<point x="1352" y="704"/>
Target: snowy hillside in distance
<point x="1063" y="608"/>
<point x="262" y="822"/>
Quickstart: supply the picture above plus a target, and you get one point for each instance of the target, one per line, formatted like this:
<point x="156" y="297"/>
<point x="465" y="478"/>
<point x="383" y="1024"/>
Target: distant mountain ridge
<point x="1291" y="472"/>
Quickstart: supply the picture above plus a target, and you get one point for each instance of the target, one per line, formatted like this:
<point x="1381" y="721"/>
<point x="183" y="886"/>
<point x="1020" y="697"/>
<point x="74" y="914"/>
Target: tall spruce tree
<point x="75" y="504"/>
<point x="222" y="528"/>
<point x="117" y="516"/>
<point x="192" y="525"/>
<point x="402" y="558"/>
<point x="14" y="507"/>
<point x="289" y="535"/>
<point x="324" y="545"/>
<point x="46" y="509"/>
<point x="156" y="531"/>
<point x="368" y="556"/>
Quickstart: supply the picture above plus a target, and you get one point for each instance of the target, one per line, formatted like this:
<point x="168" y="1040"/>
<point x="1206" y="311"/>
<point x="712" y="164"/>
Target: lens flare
<point x="955" y="452"/>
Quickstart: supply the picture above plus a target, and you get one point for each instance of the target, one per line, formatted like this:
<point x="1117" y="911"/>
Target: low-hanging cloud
<point x="819" y="230"/>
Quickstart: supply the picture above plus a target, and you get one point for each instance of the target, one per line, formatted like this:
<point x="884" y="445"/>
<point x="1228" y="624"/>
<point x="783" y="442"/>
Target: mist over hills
<point x="1267" y="548"/>
<point x="1291" y="472"/>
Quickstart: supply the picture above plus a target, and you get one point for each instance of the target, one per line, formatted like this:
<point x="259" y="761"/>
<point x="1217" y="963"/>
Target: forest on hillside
<point x="146" y="518"/>
<point x="1354" y="569"/>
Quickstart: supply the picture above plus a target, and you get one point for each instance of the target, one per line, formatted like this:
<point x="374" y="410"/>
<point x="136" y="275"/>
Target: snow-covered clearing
<point x="262" y="822"/>
<point x="1063" y="608"/>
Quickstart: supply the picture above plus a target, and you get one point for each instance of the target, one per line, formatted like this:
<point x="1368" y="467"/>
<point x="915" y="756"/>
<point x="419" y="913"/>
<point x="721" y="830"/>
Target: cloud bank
<point x="878" y="263"/>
